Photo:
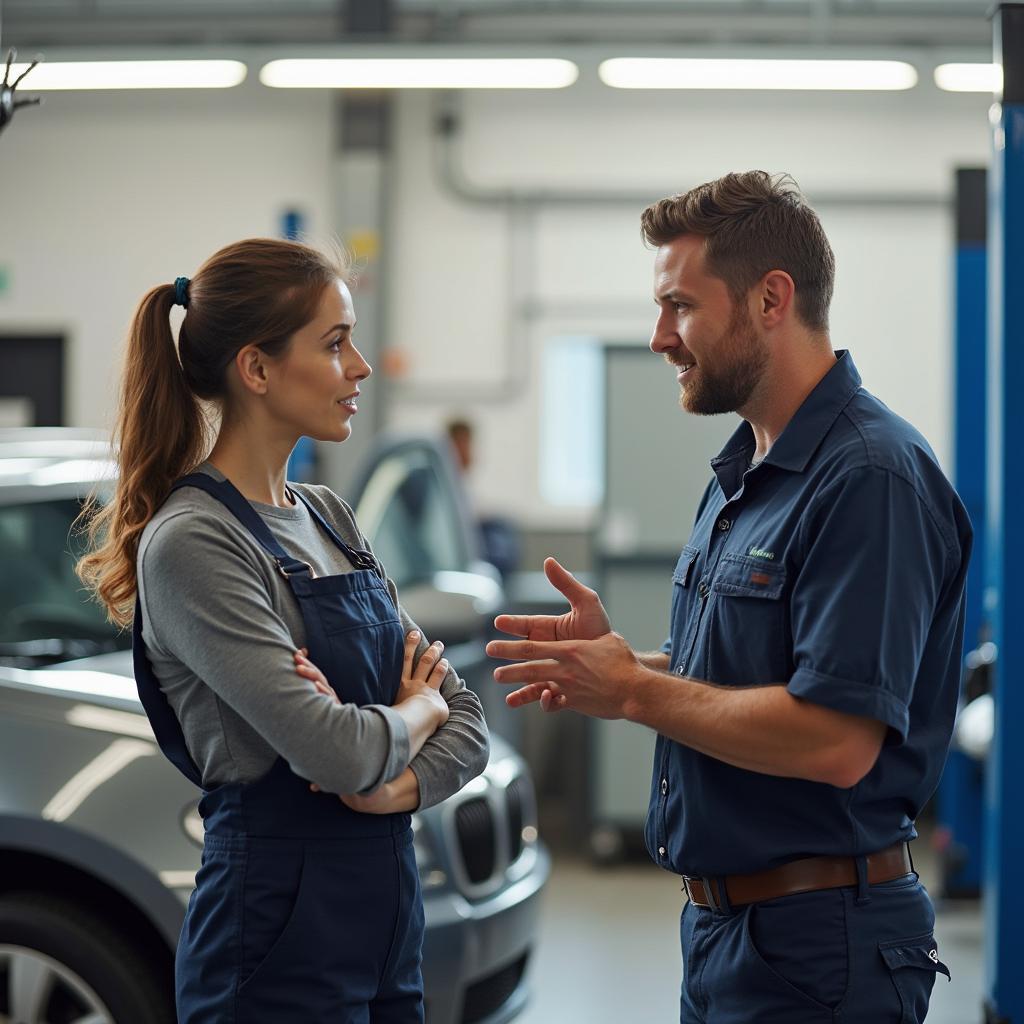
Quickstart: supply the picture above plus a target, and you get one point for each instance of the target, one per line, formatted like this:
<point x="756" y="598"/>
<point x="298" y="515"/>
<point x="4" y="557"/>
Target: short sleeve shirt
<point x="835" y="567"/>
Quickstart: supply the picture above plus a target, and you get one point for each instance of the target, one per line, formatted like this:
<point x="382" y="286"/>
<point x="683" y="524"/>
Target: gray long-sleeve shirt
<point x="221" y="626"/>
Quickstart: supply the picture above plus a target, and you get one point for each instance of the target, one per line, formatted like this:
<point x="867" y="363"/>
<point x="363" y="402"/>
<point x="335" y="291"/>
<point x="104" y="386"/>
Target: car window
<point x="409" y="512"/>
<point x="41" y="598"/>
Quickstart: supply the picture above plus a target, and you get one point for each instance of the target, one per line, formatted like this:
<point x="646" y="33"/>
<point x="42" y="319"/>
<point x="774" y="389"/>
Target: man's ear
<point x="776" y="299"/>
<point x="251" y="365"/>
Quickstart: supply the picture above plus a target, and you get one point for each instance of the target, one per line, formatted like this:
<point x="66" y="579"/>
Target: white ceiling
<point x="887" y="23"/>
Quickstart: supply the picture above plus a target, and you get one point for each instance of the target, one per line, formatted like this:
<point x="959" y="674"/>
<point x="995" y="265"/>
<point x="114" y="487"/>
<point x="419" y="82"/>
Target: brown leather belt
<point x="806" y="875"/>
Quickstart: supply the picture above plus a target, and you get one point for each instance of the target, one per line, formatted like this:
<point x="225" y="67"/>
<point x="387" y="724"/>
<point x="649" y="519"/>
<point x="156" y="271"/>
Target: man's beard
<point x="741" y="357"/>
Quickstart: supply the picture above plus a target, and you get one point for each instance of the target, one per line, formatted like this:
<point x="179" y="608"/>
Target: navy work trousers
<point x="836" y="956"/>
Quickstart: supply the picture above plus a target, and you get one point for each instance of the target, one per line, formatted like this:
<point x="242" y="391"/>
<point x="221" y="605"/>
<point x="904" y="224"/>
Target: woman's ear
<point x="251" y="365"/>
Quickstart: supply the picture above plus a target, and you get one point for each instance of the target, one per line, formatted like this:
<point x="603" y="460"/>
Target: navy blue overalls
<point x="304" y="911"/>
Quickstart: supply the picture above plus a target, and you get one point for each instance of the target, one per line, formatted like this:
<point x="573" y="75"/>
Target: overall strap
<point x="166" y="727"/>
<point x="359" y="559"/>
<point x="229" y="496"/>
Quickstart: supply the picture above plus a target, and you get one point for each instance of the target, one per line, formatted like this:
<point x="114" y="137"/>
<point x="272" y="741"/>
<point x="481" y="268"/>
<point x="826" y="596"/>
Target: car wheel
<point x="60" y="964"/>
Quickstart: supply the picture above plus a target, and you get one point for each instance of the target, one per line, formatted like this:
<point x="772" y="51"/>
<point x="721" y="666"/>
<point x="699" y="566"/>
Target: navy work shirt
<point x="835" y="567"/>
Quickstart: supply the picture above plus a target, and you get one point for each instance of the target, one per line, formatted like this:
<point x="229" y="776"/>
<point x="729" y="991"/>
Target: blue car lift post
<point x="1004" y="806"/>
<point x="960" y="797"/>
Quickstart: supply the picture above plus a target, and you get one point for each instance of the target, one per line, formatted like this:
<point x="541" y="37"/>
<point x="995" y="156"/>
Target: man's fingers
<point x="547" y="694"/>
<point x="528" y="672"/>
<point x="525" y="695"/>
<point x="527" y="650"/>
<point x="551" y="701"/>
<point x="564" y="581"/>
<point x="540" y="626"/>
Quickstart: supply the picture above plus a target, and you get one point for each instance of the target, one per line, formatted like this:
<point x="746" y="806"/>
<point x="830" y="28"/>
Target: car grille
<point x="475" y="825"/>
<point x="514" y="795"/>
<point x="487" y="845"/>
<point x="489" y="994"/>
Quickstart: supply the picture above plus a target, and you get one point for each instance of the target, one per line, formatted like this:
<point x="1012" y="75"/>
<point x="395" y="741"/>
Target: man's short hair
<point x="752" y="223"/>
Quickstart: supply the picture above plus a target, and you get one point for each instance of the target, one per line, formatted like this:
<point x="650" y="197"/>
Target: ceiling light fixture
<point x="713" y="73"/>
<point x="138" y="74"/>
<point x="969" y="77"/>
<point x="420" y="73"/>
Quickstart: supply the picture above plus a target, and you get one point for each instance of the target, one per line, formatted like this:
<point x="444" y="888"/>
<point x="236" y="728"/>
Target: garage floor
<point x="609" y="949"/>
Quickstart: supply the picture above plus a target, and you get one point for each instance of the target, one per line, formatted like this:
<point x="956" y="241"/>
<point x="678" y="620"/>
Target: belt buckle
<point x="710" y="894"/>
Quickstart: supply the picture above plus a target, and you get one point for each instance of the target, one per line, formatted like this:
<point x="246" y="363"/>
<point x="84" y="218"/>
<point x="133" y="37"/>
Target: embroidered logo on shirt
<point x="761" y="553"/>
<point x="933" y="955"/>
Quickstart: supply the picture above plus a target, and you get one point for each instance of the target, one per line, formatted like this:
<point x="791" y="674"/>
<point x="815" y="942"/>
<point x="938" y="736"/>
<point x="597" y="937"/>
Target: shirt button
<point x="703" y="589"/>
<point x="662" y="851"/>
<point x="664" y="786"/>
<point x="724" y="524"/>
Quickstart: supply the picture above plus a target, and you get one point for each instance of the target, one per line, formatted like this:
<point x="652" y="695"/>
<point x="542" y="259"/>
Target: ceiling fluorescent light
<point x="420" y="73"/>
<point x="711" y="73"/>
<point x="969" y="77"/>
<point x="135" y="74"/>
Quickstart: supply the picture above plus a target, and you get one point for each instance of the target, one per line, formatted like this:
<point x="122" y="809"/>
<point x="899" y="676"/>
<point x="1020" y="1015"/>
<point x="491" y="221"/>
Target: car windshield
<point x="46" y="614"/>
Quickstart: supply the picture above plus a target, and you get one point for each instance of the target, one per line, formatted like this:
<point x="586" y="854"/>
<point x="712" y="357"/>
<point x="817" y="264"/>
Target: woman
<point x="271" y="653"/>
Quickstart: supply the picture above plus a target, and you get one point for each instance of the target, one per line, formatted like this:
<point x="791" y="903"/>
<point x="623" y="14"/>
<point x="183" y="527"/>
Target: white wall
<point x="102" y="196"/>
<point x="592" y="274"/>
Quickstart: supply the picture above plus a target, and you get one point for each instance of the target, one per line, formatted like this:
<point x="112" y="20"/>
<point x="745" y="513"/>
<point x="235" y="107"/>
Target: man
<point x="499" y="536"/>
<point x="805" y="698"/>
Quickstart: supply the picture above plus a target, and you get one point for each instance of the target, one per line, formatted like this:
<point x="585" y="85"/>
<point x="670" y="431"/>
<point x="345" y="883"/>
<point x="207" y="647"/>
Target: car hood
<point x="118" y="663"/>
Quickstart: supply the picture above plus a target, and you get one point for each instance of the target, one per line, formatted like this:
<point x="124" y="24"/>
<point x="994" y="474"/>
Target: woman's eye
<point x="335" y="345"/>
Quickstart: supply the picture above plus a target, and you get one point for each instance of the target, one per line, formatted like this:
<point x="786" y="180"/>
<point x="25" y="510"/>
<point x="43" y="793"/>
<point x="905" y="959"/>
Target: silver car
<point x="100" y="837"/>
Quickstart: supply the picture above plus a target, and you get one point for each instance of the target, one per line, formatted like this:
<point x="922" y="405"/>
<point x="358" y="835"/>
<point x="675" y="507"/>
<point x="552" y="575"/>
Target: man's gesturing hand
<point x="586" y="618"/>
<point x="590" y="676"/>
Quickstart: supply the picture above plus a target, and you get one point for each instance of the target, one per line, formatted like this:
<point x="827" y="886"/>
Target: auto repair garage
<point x="504" y="511"/>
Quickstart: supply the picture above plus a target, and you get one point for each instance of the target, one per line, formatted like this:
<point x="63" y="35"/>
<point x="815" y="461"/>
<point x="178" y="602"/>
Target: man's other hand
<point x="590" y="676"/>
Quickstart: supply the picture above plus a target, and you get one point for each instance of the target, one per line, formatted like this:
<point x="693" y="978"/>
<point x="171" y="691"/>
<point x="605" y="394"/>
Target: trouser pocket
<point x="802" y="941"/>
<point x="913" y="964"/>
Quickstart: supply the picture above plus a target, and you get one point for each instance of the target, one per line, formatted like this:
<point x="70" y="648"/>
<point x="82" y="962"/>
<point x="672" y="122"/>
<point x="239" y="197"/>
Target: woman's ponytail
<point x="161" y="434"/>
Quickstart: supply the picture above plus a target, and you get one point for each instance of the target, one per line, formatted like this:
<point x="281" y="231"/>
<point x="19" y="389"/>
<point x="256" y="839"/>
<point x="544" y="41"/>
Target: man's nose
<point x="663" y="339"/>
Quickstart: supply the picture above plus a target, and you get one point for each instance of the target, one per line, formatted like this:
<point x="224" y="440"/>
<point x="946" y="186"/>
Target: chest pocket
<point x="748" y="632"/>
<point x="684" y="567"/>
<point x="683" y="602"/>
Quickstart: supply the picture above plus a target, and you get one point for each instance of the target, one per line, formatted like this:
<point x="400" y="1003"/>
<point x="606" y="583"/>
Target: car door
<point x="411" y="506"/>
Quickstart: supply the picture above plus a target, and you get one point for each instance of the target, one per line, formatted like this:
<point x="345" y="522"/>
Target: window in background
<point x="572" y="422"/>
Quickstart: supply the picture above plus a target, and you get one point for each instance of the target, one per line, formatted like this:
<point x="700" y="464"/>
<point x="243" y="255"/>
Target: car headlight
<point x="431" y="874"/>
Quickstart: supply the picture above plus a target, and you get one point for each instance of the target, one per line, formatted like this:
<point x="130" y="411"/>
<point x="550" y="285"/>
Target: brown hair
<point x="753" y="223"/>
<point x="255" y="292"/>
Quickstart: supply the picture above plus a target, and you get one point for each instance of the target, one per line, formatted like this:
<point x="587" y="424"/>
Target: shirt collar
<point x="810" y="423"/>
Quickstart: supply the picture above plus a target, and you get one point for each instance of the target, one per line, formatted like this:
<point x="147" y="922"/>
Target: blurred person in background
<point x="500" y="540"/>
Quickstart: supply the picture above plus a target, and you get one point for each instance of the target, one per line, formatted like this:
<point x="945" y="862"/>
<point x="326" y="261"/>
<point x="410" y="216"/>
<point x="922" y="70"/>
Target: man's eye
<point x="680" y="306"/>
